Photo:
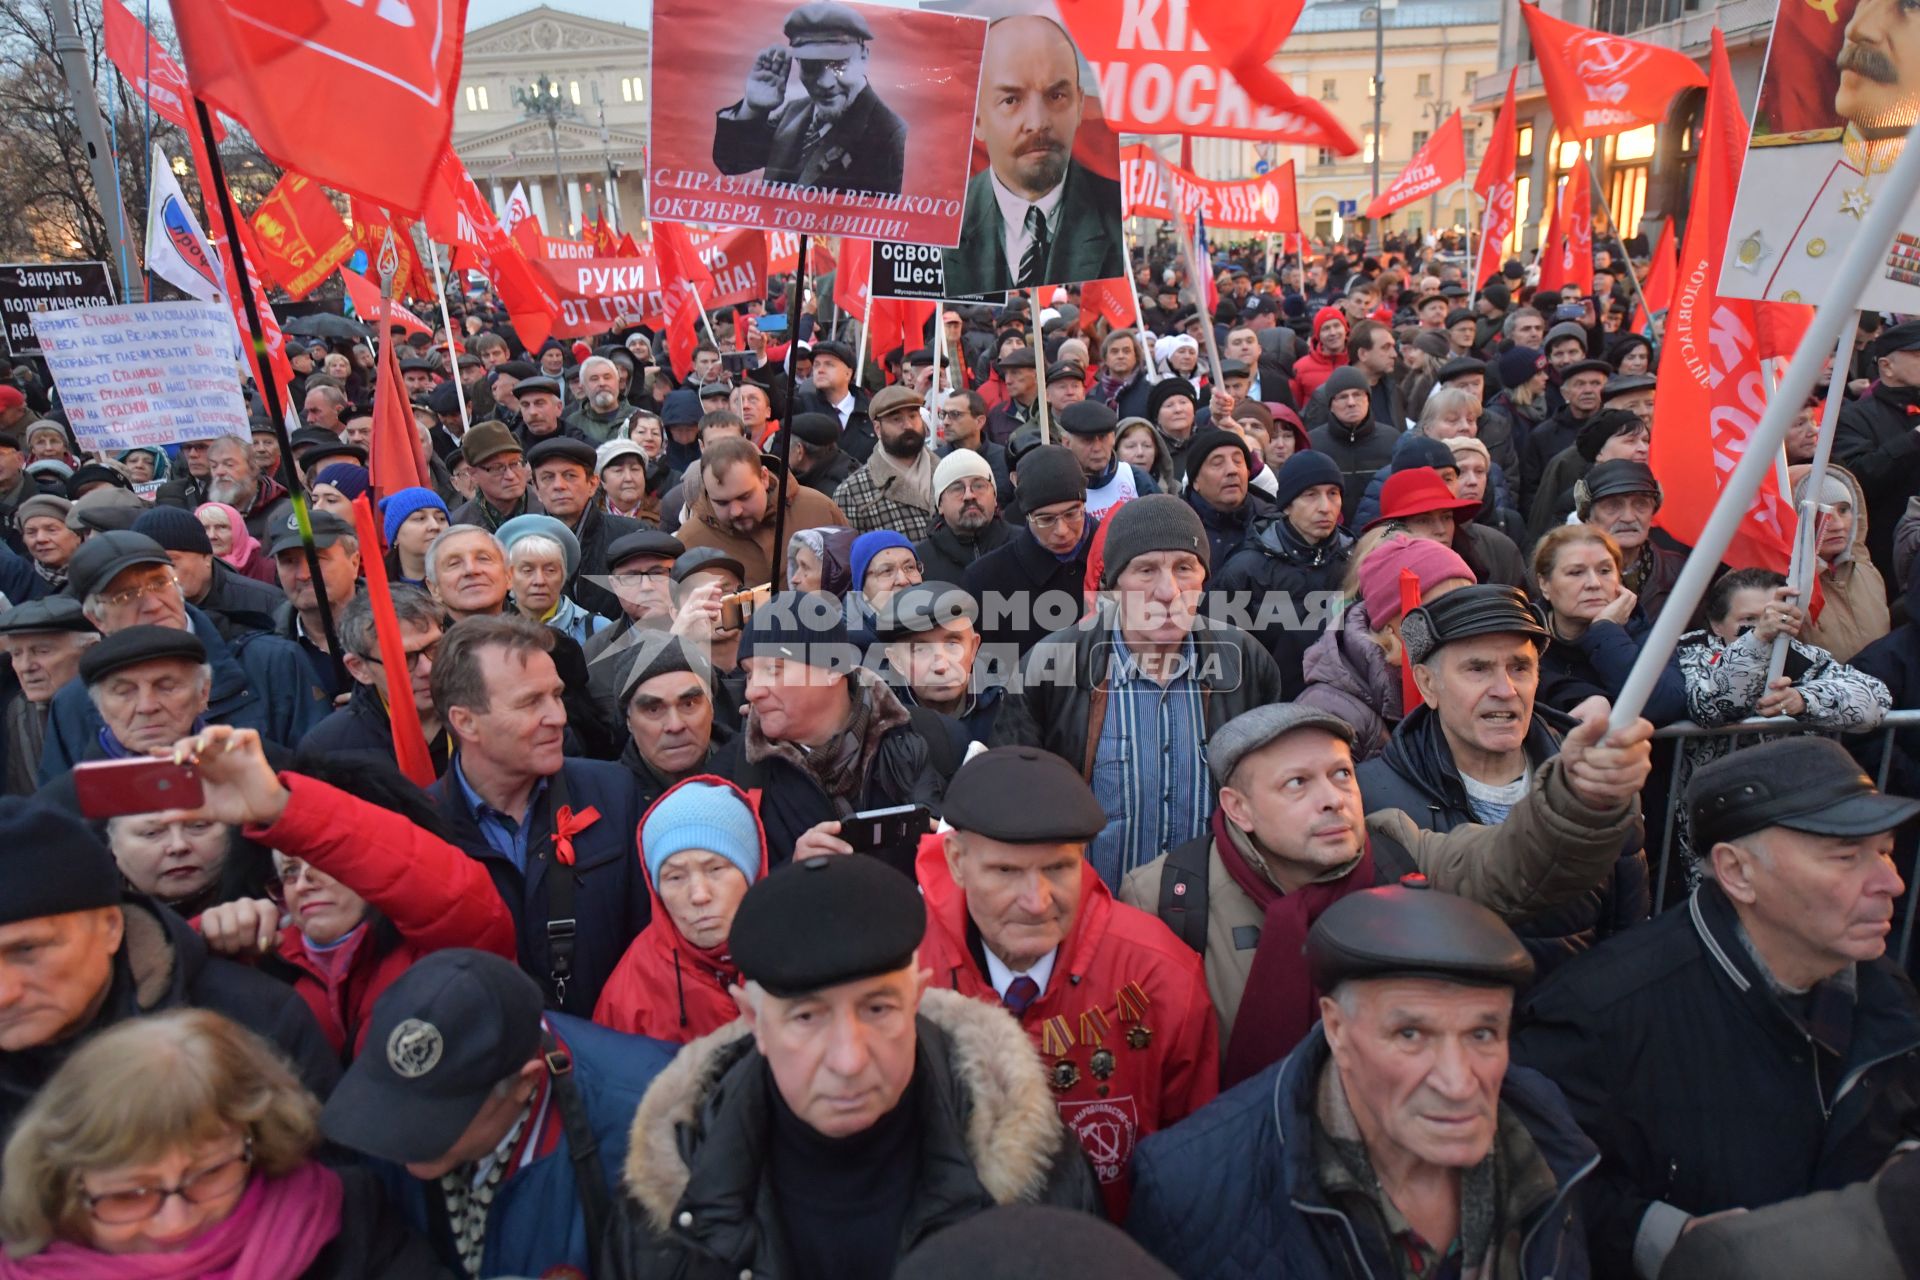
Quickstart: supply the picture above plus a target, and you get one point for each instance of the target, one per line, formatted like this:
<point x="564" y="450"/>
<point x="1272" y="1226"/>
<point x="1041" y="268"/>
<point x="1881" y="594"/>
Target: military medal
<point x="1094" y="1026"/>
<point x="1056" y="1041"/>
<point x="1063" y="1075"/>
<point x="1101" y="1063"/>
<point x="1133" y="1005"/>
<point x="1854" y="202"/>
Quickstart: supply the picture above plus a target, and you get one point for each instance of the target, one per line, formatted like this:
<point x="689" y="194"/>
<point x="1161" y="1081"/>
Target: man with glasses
<point x="337" y="549"/>
<point x="638" y="569"/>
<point x="969" y="524"/>
<point x="1035" y="584"/>
<point x="361" y="728"/>
<point x="500" y="469"/>
<point x="963" y="425"/>
<point x="124" y="579"/>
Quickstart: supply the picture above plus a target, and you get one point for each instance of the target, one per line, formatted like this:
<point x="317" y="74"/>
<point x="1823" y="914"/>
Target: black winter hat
<point x="1047" y="475"/>
<point x="51" y="863"/>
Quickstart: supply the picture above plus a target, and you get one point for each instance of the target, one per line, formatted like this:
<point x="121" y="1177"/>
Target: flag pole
<point x="1806" y="549"/>
<point x="1849" y="280"/>
<point x="1185" y="238"/>
<point x="446" y="322"/>
<point x="695" y="295"/>
<point x="1626" y="259"/>
<point x="777" y="562"/>
<point x="860" y="343"/>
<point x="269" y="388"/>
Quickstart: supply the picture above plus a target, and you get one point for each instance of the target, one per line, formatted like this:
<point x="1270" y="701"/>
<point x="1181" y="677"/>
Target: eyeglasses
<point x="502" y="468"/>
<point x="151" y="587"/>
<point x="1047" y="524"/>
<point x="291" y="874"/>
<point x="431" y="652"/>
<point x="137" y="1204"/>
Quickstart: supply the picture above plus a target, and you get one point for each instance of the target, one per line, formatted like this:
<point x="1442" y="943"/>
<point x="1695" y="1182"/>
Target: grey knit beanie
<point x="1157" y="522"/>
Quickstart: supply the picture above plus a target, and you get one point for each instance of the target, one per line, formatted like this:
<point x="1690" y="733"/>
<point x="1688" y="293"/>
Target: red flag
<point x="270" y="336"/>
<point x="1495" y="186"/>
<point x="1781" y="326"/>
<point x="457" y="214"/>
<point x="1109" y="300"/>
<point x="682" y="277"/>
<point x="365" y="296"/>
<point x="1599" y="84"/>
<point x="381" y="77"/>
<point x="370" y="226"/>
<point x="1553" y="253"/>
<point x="301" y="233"/>
<point x="898" y="324"/>
<point x="627" y="248"/>
<point x="1442" y="161"/>
<point x="853" y="277"/>
<point x="605" y="244"/>
<point x="1409" y="601"/>
<point x="1657" y="288"/>
<point x="1712" y="393"/>
<point x="1576" y="227"/>
<point x="403" y="718"/>
<point x="146" y="65"/>
<point x="394" y="457"/>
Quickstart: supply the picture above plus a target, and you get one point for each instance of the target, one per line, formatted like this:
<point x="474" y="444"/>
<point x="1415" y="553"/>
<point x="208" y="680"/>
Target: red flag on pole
<point x="1441" y="162"/>
<point x="1576" y="226"/>
<point x="379" y="77"/>
<point x="1495" y="186"/>
<point x="270" y="335"/>
<point x="365" y="296"/>
<point x="301" y="234"/>
<point x="146" y="65"/>
<point x="1657" y="287"/>
<point x="394" y="458"/>
<point x="685" y="285"/>
<point x="458" y="214"/>
<point x="403" y="717"/>
<point x="853" y="276"/>
<point x="1600" y="84"/>
<point x="370" y="224"/>
<point x="1712" y="393"/>
<point x="1553" y="252"/>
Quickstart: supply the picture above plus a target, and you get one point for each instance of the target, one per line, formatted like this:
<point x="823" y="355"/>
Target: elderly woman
<point x="145" y="463"/>
<point x="189" y="863"/>
<point x="821" y="559"/>
<point x="1855" y="613"/>
<point x="1596" y="623"/>
<point x="542" y="557"/>
<point x="234" y="544"/>
<point x="179" y="1146"/>
<point x="1139" y="444"/>
<point x="411" y="519"/>
<point x="42" y="520"/>
<point x="49" y="440"/>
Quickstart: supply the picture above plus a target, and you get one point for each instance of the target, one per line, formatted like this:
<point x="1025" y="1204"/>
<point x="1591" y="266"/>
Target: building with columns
<point x="592" y="120"/>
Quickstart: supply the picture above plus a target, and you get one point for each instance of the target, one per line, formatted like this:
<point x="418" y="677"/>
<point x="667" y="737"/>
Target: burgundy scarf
<point x="1279" y="1005"/>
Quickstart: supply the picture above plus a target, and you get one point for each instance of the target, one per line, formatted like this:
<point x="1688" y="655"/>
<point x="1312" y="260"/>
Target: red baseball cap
<point x="1416" y="491"/>
<point x="11" y="398"/>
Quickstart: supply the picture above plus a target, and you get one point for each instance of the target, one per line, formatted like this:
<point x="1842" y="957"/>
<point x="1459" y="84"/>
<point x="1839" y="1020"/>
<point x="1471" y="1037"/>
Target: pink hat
<point x="1431" y="562"/>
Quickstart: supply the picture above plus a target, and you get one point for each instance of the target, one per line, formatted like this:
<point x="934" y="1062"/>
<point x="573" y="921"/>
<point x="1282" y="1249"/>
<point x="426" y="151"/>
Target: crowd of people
<point x="1033" y="801"/>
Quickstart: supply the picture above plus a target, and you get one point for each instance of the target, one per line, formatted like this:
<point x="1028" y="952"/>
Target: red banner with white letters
<point x="1268" y="203"/>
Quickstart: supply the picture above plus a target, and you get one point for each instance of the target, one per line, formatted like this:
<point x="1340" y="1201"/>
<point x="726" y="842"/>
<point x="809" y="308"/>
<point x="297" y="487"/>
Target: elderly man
<point x="1878" y="439"/>
<point x="1087" y="429"/>
<point x="1034" y="583"/>
<point x="840" y="1115"/>
<point x="1372" y="352"/>
<point x="565" y="483"/>
<point x="1758" y="1045"/>
<point x="1021" y="374"/>
<point x="815" y="454"/>
<point x="1164" y="674"/>
<point x="840" y="136"/>
<point x="1622" y="497"/>
<point x="894" y="489"/>
<point x="124" y="579"/>
<point x="299" y="620"/>
<point x="1017" y="917"/>
<point x="556" y="834"/>
<point x="208" y="582"/>
<point x="472" y="1064"/>
<point x="932" y="648"/>
<point x="1357" y="441"/>
<point x="361" y="727"/>
<point x="44" y="641"/>
<point x="638" y="569"/>
<point x="604" y="410"/>
<point x="542" y="409"/>
<point x="667" y="707"/>
<point x="326" y="407"/>
<point x="1581" y="383"/>
<point x="500" y="470"/>
<point x="233" y="477"/>
<point x="736" y="508"/>
<point x="80" y="953"/>
<point x="1397" y="1139"/>
<point x="1219" y="467"/>
<point x="969" y="524"/>
<point x="150" y="686"/>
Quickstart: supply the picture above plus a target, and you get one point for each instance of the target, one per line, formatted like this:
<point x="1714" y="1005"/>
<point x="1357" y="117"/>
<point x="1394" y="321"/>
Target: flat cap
<point x="824" y="31"/>
<point x="537" y="384"/>
<point x="718" y="389"/>
<point x="614" y="450"/>
<point x="1899" y="337"/>
<point x="104" y="556"/>
<point x="1087" y="418"/>
<point x="51" y="863"/>
<point x="1617" y="476"/>
<point x="1459" y="315"/>
<point x="644" y="542"/>
<point x="1805" y="784"/>
<point x="562" y="449"/>
<point x="1403" y="931"/>
<point x="131" y="646"/>
<point x="892" y="400"/>
<point x="1251" y="730"/>
<point x="837" y="350"/>
<point x="1065" y="371"/>
<point x="701" y="559"/>
<point x="1621" y="384"/>
<point x="1022" y="795"/>
<point x="328" y="529"/>
<point x="825" y="921"/>
<point x="1589" y="365"/>
<point x="48" y="613"/>
<point x="1018" y="358"/>
<point x="1460" y="367"/>
<point x="487" y="440"/>
<point x="105" y="510"/>
<point x="918" y="609"/>
<point x="1486" y="609"/>
<point x="820" y="430"/>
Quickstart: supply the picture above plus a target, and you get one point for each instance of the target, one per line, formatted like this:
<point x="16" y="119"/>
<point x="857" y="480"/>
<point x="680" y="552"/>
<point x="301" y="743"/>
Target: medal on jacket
<point x="1094" y="1027"/>
<point x="1133" y="1004"/>
<point x="1056" y="1041"/>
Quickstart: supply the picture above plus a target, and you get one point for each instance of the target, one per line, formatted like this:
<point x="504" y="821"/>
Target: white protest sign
<point x="152" y="373"/>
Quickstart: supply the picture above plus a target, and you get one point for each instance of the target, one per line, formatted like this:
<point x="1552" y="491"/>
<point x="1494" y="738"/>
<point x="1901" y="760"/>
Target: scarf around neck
<point x="907" y="482"/>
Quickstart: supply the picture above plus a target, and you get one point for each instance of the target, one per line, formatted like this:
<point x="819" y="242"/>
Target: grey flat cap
<point x="1254" y="729"/>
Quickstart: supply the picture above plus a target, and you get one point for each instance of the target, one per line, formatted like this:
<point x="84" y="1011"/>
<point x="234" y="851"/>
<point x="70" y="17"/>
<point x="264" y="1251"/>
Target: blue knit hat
<point x="869" y="545"/>
<point x="403" y="503"/>
<point x="701" y="814"/>
<point x="1302" y="472"/>
<point x="350" y="478"/>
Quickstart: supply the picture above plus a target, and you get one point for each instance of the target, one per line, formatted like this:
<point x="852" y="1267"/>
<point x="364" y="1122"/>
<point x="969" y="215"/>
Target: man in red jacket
<point x="1016" y="916"/>
<point x="1326" y="352"/>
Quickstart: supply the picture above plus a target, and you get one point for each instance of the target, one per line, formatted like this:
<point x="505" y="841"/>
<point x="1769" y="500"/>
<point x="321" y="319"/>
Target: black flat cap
<point x="445" y="399"/>
<point x="1621" y="384"/>
<point x="826" y="921"/>
<point x="700" y="559"/>
<point x="1022" y="795"/>
<point x="1585" y="366"/>
<point x="1619" y="475"/>
<point x="132" y="646"/>
<point x="1018" y="358"/>
<point x="105" y="555"/>
<point x="1805" y="784"/>
<point x="535" y="385"/>
<point x="1065" y="371"/>
<point x="562" y="449"/>
<point x="644" y="542"/>
<point x="328" y="529"/>
<point x="1414" y="932"/>
<point x="1900" y="337"/>
<point x="658" y="653"/>
<point x="1087" y="418"/>
<point x="418" y="364"/>
<point x="1489" y="609"/>
<point x="49" y="613"/>
<point x="1231" y="368"/>
<point x="838" y="350"/>
<point x="1459" y="367"/>
<point x="312" y="437"/>
<point x="918" y="609"/>
<point x="817" y="429"/>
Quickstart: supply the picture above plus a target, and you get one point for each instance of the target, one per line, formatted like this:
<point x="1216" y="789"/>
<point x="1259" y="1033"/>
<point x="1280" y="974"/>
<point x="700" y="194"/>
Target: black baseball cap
<point x="448" y="1030"/>
<point x="328" y="529"/>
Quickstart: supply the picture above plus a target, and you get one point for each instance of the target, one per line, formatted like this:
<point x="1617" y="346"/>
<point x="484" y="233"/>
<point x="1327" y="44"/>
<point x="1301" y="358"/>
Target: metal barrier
<point x="1894" y="721"/>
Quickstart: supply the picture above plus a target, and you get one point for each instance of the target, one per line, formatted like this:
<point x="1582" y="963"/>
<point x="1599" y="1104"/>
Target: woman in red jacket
<point x="367" y="886"/>
<point x="702" y="845"/>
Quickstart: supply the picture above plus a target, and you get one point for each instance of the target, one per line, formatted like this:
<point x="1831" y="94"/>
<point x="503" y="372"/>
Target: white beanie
<point x="959" y="465"/>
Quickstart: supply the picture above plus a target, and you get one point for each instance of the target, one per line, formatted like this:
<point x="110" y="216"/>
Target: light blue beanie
<point x="701" y="815"/>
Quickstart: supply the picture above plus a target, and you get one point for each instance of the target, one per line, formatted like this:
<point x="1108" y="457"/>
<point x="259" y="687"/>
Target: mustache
<point x="1866" y="60"/>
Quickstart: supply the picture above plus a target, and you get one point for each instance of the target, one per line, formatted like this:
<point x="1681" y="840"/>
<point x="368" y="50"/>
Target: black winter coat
<point x="375" y="1242"/>
<point x="857" y="436"/>
<point x="1700" y="1088"/>
<point x="1228" y="531"/>
<point x="1277" y="573"/>
<point x="1359" y="453"/>
<point x="1545" y="443"/>
<point x="597" y="531"/>
<point x="242" y="603"/>
<point x="1416" y="774"/>
<point x="945" y="558"/>
<point x="829" y="473"/>
<point x="1021" y="585"/>
<point x="1877" y="441"/>
<point x="362" y="730"/>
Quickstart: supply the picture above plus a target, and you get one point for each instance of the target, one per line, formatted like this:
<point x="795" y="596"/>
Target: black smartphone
<point x="895" y="828"/>
<point x="738" y="361"/>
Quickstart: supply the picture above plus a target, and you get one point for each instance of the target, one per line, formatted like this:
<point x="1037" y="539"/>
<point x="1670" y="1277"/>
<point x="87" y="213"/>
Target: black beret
<point x="51" y="863"/>
<point x="105" y="556"/>
<point x="133" y="645"/>
<point x="826" y="921"/>
<point x="445" y="398"/>
<point x="644" y="542"/>
<point x="1022" y="795"/>
<point x="564" y="449"/>
<point x="817" y="429"/>
<point x="918" y="609"/>
<point x="1411" y="931"/>
<point x="1805" y="784"/>
<point x="49" y="613"/>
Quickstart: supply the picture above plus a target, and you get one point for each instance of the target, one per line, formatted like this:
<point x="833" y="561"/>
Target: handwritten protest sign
<point x="146" y="373"/>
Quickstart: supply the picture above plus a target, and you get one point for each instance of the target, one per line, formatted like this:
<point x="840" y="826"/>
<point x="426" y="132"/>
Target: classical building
<point x="592" y="122"/>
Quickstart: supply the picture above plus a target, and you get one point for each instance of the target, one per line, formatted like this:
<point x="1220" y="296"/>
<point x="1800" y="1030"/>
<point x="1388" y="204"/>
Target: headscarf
<point x="161" y="467"/>
<point x="832" y="544"/>
<point x="245" y="545"/>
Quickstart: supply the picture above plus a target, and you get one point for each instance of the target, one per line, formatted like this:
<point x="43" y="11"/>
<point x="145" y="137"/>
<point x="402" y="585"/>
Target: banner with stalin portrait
<point x="822" y="117"/>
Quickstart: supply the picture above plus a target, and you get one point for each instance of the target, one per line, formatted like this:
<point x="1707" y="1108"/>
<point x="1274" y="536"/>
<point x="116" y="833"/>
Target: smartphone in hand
<point x="144" y="784"/>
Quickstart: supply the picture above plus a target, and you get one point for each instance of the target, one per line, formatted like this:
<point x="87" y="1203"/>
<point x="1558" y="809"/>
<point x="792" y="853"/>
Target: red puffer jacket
<point x="664" y="986"/>
<point x="1125" y="1026"/>
<point x="431" y="894"/>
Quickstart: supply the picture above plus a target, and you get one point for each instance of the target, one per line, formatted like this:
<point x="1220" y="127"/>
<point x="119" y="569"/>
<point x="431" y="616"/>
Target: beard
<point x="907" y="445"/>
<point x="234" y="493"/>
<point x="603" y="401"/>
<point x="971" y="518"/>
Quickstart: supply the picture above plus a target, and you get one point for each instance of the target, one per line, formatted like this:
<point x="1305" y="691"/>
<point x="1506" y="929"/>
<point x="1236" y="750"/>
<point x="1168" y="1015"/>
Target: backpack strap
<point x="1183" y="890"/>
<point x="583" y="1149"/>
<point x="1391" y="859"/>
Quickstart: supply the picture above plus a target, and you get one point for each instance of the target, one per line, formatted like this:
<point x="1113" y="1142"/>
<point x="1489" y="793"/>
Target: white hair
<point x="587" y="366"/>
<point x="537" y="545"/>
<point x="204" y="670"/>
<point x="433" y="548"/>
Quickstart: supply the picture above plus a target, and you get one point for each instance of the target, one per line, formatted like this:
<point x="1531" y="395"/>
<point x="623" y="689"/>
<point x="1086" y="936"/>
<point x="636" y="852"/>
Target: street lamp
<point x="1439" y="110"/>
<point x="541" y="100"/>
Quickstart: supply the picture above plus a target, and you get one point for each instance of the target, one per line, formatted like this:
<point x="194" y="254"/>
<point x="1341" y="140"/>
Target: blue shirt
<point x="504" y="833"/>
<point x="1149" y="768"/>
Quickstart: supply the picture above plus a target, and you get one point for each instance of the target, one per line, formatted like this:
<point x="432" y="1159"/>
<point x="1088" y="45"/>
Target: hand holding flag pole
<point x="1864" y="254"/>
